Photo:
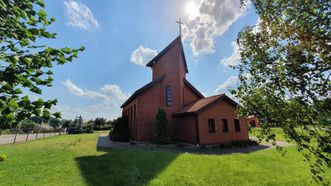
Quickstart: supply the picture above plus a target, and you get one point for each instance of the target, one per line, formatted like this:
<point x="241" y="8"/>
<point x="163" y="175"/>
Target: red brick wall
<point x="189" y="95"/>
<point x="219" y="111"/>
<point x="148" y="103"/>
<point x="130" y="111"/>
<point x="172" y="66"/>
<point x="186" y="129"/>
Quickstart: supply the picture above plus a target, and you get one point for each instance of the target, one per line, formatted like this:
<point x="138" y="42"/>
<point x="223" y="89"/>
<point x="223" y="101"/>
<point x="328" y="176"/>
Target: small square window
<point x="236" y="125"/>
<point x="211" y="125"/>
<point x="225" y="125"/>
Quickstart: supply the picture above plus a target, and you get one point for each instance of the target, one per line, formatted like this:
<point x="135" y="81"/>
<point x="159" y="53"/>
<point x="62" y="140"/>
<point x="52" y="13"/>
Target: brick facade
<point x="169" y="69"/>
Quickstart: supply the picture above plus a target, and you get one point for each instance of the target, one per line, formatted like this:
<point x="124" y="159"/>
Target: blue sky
<point x="120" y="36"/>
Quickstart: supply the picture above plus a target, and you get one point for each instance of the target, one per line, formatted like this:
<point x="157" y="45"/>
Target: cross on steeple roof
<point x="180" y="26"/>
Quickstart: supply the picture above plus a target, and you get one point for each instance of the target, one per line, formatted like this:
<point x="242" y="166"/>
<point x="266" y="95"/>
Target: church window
<point x="236" y="125"/>
<point x="211" y="125"/>
<point x="225" y="125"/>
<point x="168" y="96"/>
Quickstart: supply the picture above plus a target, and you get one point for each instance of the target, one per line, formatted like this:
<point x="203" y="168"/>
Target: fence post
<point x="37" y="134"/>
<point x="15" y="136"/>
<point x="44" y="134"/>
<point x="27" y="136"/>
<point x="51" y="132"/>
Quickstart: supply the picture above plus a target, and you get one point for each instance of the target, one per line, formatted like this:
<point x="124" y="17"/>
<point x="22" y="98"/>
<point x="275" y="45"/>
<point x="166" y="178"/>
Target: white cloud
<point x="229" y="83"/>
<point x="214" y="18"/>
<point x="80" y="16"/>
<point x="109" y="99"/>
<point x="234" y="58"/>
<point x="114" y="90"/>
<point x="257" y="27"/>
<point x="75" y="90"/>
<point x="142" y="55"/>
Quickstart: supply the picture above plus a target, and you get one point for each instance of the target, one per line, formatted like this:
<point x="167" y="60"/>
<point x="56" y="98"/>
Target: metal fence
<point x="19" y="136"/>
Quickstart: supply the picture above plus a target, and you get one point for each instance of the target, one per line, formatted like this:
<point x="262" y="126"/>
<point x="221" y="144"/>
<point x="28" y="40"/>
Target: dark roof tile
<point x="202" y="104"/>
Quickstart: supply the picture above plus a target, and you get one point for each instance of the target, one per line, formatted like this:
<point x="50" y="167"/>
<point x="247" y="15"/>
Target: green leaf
<point x="41" y="3"/>
<point x="49" y="72"/>
<point x="39" y="103"/>
<point x="42" y="14"/>
<point x="46" y="113"/>
<point x="27" y="61"/>
<point x="10" y="117"/>
<point x="12" y="104"/>
<point x="57" y="114"/>
<point x="18" y="91"/>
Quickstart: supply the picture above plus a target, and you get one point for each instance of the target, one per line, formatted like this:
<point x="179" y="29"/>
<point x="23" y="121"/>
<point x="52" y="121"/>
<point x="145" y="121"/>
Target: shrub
<point x="88" y="128"/>
<point x="252" y="143"/>
<point x="75" y="130"/>
<point x="161" y="129"/>
<point x="28" y="126"/>
<point x="3" y="157"/>
<point x="99" y="123"/>
<point x="5" y="131"/>
<point x="120" y="130"/>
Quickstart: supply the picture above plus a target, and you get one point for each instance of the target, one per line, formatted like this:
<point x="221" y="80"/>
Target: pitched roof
<point x="202" y="104"/>
<point x="166" y="49"/>
<point x="142" y="89"/>
<point x="193" y="88"/>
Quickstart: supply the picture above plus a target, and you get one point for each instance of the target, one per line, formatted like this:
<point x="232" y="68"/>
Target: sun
<point x="191" y="9"/>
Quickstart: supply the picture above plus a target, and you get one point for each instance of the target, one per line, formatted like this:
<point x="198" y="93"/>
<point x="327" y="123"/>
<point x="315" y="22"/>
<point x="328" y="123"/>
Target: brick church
<point x="192" y="117"/>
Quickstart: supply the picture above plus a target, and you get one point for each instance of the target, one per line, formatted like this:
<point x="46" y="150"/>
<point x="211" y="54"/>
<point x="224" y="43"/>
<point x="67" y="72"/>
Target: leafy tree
<point x="285" y="71"/>
<point x="99" y="123"/>
<point x="27" y="125"/>
<point x="66" y="123"/>
<point x="54" y="122"/>
<point x="36" y="119"/>
<point x="161" y="128"/>
<point x="25" y="64"/>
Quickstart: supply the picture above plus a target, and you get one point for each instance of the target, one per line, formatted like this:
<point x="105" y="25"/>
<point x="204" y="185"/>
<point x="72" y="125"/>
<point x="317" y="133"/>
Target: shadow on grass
<point x="123" y="167"/>
<point x="137" y="165"/>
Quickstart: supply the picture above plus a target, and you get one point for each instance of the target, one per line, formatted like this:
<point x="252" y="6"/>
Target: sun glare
<point x="191" y="10"/>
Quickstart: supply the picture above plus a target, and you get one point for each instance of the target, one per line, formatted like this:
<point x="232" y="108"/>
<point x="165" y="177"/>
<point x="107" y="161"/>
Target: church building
<point x="192" y="117"/>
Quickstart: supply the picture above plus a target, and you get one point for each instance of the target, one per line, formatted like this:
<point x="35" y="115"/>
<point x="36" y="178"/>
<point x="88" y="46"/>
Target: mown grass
<point x="279" y="134"/>
<point x="74" y="160"/>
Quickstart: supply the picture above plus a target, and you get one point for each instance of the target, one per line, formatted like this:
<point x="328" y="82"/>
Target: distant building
<point x="192" y="117"/>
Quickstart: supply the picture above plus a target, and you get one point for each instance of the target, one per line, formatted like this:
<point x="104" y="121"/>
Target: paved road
<point x="9" y="138"/>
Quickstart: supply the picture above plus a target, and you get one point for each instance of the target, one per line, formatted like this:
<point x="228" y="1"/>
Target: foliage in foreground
<point x="161" y="128"/>
<point x="285" y="72"/>
<point x="25" y="64"/>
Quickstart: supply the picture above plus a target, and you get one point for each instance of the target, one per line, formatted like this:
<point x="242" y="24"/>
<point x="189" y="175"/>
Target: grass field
<point x="277" y="131"/>
<point x="74" y="160"/>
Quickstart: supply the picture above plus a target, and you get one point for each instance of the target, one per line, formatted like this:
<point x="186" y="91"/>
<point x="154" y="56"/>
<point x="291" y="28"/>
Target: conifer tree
<point x="161" y="128"/>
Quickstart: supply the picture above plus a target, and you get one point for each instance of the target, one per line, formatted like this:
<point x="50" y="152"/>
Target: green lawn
<point x="74" y="160"/>
<point x="277" y="131"/>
